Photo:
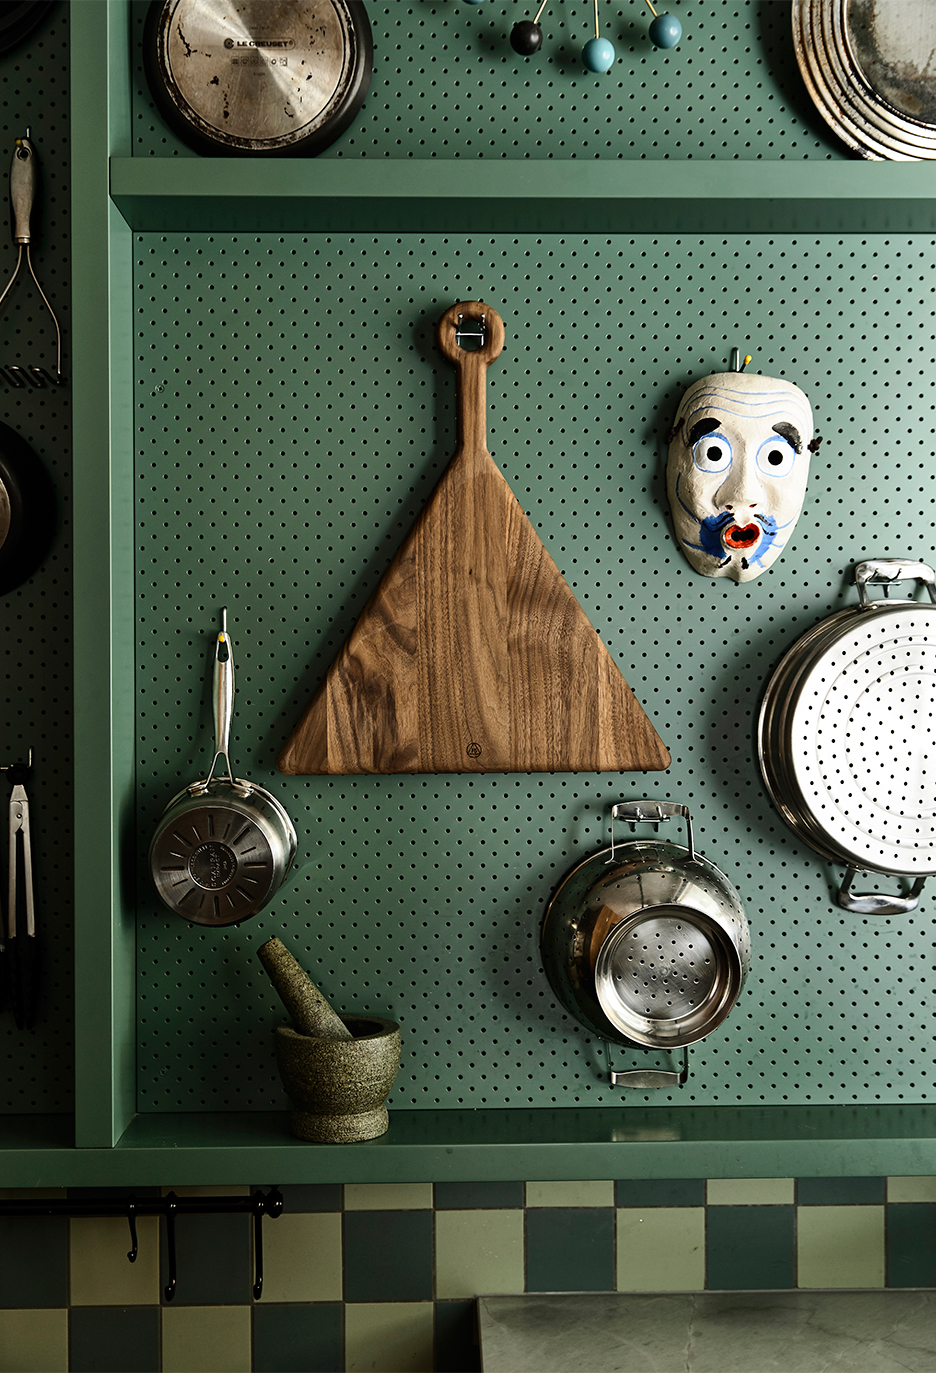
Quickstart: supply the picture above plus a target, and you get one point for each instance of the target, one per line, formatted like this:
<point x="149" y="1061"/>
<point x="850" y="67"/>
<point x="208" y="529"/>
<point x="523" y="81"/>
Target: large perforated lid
<point x="847" y="733"/>
<point x="861" y="742"/>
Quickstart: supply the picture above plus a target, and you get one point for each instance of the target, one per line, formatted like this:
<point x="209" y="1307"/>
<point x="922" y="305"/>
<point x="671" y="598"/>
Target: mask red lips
<point x="741" y="536"/>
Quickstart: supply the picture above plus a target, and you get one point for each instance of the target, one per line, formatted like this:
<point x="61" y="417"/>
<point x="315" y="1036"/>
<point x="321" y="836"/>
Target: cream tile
<point x="478" y="1251"/>
<point x="392" y="1337"/>
<point x="34" y="1341"/>
<point x="388" y="1196"/>
<point x="749" y="1191"/>
<point x="840" y="1246"/>
<point x="911" y="1189"/>
<point x="302" y="1258"/>
<point x="661" y="1249"/>
<point x="206" y="1339"/>
<point x="570" y="1194"/>
<point x="101" y="1273"/>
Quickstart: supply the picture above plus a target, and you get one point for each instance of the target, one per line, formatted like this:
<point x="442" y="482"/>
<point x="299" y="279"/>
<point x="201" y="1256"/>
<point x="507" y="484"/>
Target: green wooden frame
<point x="115" y="194"/>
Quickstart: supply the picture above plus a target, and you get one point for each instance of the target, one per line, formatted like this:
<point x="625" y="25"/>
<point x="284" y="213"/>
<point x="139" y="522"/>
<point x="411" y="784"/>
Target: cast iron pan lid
<point x="18" y="18"/>
<point x="258" y="78"/>
<point x="866" y="66"/>
<point x="27" y="510"/>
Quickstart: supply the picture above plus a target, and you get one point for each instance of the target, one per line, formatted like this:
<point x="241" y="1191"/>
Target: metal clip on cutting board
<point x="24" y="180"/>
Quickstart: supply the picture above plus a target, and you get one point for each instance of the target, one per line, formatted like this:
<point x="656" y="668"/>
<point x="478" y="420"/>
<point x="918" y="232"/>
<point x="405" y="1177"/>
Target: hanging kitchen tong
<point x="24" y="178"/>
<point x="21" y="956"/>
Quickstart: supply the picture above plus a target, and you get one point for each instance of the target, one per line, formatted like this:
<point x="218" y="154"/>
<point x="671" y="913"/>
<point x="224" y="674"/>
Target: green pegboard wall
<point x="292" y="416"/>
<point x="35" y="618"/>
<point x="447" y="84"/>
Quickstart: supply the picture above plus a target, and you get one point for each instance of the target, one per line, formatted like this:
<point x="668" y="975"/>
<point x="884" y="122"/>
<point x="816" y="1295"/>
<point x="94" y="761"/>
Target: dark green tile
<point x="33" y="1261"/>
<point x="910" y="1237"/>
<point x="214" y="1259"/>
<point x="470" y="1196"/>
<point x="113" y="1339"/>
<point x="749" y="1247"/>
<point x="387" y="1255"/>
<point x="312" y="1196"/>
<point x="570" y="1249"/>
<point x="840" y="1191"/>
<point x="642" y="1192"/>
<point x="298" y="1339"/>
<point x="456" y="1337"/>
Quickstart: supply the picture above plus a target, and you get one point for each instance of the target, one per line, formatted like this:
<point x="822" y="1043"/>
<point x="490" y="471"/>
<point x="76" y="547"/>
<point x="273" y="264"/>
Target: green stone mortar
<point x="338" y="1086"/>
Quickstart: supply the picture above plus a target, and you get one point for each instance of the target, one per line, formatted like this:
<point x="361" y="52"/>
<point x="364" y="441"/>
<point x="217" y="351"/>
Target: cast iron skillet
<point x="27" y="510"/>
<point x="18" y="18"/>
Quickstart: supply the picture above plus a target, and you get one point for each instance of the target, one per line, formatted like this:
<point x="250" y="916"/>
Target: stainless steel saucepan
<point x="647" y="943"/>
<point x="223" y="846"/>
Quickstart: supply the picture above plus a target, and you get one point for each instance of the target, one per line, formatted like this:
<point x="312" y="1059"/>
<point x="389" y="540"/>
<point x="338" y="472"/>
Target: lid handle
<point x="887" y="572"/>
<point x="653" y="813"/>
<point x="648" y="1079"/>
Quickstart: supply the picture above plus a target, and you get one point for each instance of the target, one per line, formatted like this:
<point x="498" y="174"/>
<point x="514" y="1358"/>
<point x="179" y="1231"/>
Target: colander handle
<point x="653" y="813"/>
<point x="886" y="571"/>
<point x="871" y="903"/>
<point x="648" y="1079"/>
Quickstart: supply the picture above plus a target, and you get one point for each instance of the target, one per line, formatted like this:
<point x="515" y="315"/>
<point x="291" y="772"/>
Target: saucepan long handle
<point x="222" y="691"/>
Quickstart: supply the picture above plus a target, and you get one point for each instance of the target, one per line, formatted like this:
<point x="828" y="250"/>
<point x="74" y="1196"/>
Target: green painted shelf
<point x="434" y="196"/>
<point x="604" y="1143"/>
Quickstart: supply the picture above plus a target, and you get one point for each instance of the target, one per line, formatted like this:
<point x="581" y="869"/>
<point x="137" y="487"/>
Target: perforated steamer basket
<point x="646" y="943"/>
<point x="846" y="733"/>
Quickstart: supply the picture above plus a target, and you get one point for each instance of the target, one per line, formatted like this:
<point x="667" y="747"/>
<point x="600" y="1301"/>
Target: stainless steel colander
<point x="646" y="943"/>
<point x="847" y="732"/>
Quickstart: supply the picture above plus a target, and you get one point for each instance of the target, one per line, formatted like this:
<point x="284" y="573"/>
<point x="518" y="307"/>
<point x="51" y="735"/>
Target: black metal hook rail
<point x="169" y="1207"/>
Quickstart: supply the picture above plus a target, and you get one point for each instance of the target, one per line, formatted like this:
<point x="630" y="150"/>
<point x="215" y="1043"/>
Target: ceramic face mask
<point x="736" y="475"/>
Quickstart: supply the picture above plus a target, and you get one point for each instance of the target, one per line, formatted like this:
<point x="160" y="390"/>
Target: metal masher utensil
<point x="24" y="179"/>
<point x="21" y="954"/>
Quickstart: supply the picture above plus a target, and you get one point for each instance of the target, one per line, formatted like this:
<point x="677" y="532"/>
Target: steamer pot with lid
<point x="846" y="732"/>
<point x="646" y="943"/>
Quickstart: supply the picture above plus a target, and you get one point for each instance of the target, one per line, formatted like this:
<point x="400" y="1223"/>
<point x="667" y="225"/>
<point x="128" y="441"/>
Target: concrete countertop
<point x="878" y="1331"/>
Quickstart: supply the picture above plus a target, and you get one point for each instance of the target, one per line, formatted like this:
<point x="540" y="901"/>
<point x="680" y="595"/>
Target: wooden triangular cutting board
<point x="473" y="655"/>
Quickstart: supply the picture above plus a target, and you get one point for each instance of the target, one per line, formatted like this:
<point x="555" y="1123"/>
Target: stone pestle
<point x="311" y="1014"/>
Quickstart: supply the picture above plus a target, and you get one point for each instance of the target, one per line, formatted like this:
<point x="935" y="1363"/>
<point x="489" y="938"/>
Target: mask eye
<point x="712" y="453"/>
<point x="775" y="457"/>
